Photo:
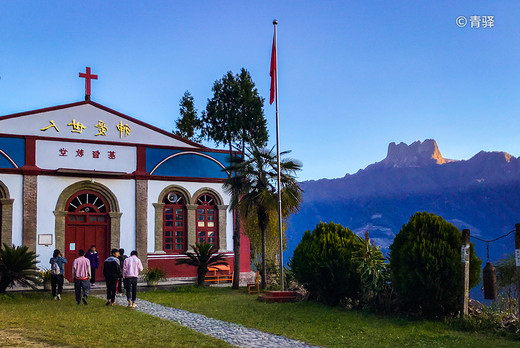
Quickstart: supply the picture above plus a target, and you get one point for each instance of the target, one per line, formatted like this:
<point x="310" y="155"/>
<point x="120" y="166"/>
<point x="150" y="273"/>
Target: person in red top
<point x="81" y="275"/>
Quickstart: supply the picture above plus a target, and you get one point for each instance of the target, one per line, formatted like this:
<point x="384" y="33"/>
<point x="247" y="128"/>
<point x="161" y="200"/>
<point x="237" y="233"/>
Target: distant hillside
<point x="482" y="194"/>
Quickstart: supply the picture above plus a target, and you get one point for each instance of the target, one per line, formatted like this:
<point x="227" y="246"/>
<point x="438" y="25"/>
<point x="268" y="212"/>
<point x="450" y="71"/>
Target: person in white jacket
<point x="131" y="269"/>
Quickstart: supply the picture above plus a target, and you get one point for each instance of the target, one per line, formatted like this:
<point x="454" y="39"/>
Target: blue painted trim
<point x="14" y="148"/>
<point x="186" y="164"/>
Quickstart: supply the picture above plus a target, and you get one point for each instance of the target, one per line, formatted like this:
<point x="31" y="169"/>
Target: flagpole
<point x="275" y="22"/>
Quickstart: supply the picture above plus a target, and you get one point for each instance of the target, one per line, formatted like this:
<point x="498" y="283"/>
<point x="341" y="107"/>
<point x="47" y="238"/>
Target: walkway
<point x="234" y="334"/>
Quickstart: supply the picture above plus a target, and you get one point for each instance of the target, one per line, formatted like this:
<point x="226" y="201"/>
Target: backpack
<point x="55" y="269"/>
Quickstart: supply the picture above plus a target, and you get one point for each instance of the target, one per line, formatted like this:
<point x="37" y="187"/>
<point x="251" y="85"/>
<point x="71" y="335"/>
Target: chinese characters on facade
<point x="102" y="128"/>
<point x="63" y="152"/>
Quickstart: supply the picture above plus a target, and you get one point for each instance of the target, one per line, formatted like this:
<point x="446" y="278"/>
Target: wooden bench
<point x="219" y="274"/>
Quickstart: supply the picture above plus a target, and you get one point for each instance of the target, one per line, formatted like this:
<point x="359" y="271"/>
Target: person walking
<point x="93" y="257"/>
<point x="57" y="272"/>
<point x="112" y="273"/>
<point x="131" y="270"/>
<point x="122" y="257"/>
<point x="81" y="275"/>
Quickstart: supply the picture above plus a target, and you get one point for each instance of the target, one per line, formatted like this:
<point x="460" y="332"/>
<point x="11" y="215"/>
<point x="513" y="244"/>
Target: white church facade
<point x="81" y="174"/>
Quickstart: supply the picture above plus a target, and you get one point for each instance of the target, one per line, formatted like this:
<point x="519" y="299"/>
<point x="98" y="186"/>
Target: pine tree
<point x="188" y="125"/>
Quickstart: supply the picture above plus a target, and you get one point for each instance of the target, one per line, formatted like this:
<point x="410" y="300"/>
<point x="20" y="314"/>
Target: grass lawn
<point x="321" y="325"/>
<point x="35" y="317"/>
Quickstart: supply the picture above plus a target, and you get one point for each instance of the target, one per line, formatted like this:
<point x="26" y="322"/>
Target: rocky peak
<point x="417" y="154"/>
<point x="496" y="156"/>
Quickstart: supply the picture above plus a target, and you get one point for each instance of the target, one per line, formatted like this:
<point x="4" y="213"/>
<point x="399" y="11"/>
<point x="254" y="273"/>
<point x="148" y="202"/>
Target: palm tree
<point x="18" y="265"/>
<point x="254" y="189"/>
<point x="372" y="268"/>
<point x="204" y="255"/>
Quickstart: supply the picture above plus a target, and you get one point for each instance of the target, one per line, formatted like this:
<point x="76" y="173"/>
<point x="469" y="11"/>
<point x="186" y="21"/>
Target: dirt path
<point x="15" y="338"/>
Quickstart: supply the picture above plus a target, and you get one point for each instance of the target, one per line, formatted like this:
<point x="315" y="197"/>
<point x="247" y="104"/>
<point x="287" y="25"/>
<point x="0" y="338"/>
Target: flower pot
<point x="46" y="286"/>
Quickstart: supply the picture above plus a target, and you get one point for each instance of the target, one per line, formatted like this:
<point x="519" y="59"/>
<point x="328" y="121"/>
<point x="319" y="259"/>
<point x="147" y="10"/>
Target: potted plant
<point x="45" y="275"/>
<point x="153" y="275"/>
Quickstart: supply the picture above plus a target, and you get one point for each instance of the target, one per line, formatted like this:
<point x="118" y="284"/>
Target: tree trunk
<point x="236" y="249"/>
<point x="264" y="259"/>
<point x="236" y="243"/>
<point x="262" y="223"/>
<point x="201" y="275"/>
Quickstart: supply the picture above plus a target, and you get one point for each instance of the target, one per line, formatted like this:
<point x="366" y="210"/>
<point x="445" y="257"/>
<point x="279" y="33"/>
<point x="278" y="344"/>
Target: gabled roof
<point x="87" y="120"/>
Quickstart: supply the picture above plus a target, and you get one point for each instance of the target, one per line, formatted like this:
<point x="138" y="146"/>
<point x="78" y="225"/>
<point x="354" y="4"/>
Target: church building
<point x="80" y="174"/>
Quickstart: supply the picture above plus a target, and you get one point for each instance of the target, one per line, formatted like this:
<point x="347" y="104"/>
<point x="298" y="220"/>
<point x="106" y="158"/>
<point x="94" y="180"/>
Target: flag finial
<point x="275" y="22"/>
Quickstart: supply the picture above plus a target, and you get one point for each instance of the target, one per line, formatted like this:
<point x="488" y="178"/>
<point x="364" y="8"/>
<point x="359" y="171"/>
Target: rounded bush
<point x="323" y="263"/>
<point x="425" y="263"/>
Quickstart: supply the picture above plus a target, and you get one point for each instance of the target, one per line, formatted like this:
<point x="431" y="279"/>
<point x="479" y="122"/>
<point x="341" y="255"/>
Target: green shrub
<point x="18" y="265"/>
<point x="425" y="265"/>
<point x="491" y="319"/>
<point x="45" y="275"/>
<point x="154" y="274"/>
<point x="507" y="278"/>
<point x="323" y="263"/>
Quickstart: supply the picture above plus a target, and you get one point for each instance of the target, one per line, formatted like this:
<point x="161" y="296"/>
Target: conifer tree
<point x="234" y="117"/>
<point x="188" y="125"/>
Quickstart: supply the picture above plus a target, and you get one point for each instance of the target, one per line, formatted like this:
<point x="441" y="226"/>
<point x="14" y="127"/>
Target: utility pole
<point x="465" y="271"/>
<point x="517" y="261"/>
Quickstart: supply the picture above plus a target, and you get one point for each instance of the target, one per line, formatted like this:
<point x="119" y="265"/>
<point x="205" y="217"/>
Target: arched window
<point x="87" y="202"/>
<point x="174" y="223"/>
<point x="207" y="224"/>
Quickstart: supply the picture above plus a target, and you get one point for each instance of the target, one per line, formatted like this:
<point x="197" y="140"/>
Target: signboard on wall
<point x="85" y="156"/>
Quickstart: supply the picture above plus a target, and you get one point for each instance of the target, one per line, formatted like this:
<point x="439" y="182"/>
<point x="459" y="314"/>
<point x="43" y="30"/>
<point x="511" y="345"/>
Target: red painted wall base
<point x="168" y="263"/>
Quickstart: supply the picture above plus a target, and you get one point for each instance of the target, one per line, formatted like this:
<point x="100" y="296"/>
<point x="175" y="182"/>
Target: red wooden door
<point x="86" y="224"/>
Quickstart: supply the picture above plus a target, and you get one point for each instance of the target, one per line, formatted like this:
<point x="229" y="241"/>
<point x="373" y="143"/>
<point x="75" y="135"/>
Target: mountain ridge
<point x="481" y="193"/>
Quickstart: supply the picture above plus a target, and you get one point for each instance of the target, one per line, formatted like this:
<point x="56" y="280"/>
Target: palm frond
<point x="18" y="265"/>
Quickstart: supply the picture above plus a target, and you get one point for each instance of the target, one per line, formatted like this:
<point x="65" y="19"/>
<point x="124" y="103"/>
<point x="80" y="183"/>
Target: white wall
<point x="88" y="115"/>
<point x="14" y="183"/>
<point x="50" y="188"/>
<point x="125" y="193"/>
<point x="154" y="189"/>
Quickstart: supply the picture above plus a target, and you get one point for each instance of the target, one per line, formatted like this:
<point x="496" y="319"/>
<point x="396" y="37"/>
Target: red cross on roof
<point x="88" y="76"/>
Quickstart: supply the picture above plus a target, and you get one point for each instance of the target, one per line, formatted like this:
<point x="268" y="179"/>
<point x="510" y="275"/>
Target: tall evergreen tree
<point x="234" y="117"/>
<point x="188" y="125"/>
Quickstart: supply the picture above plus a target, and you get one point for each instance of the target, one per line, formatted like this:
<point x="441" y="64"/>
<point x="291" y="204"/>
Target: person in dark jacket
<point x="93" y="257"/>
<point x="122" y="257"/>
<point x="112" y="273"/>
<point x="57" y="279"/>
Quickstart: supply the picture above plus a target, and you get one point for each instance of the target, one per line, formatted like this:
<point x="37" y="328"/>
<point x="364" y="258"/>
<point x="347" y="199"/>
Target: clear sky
<point x="353" y="75"/>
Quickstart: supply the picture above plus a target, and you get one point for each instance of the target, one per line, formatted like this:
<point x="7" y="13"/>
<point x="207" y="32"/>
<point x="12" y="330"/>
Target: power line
<point x="491" y="241"/>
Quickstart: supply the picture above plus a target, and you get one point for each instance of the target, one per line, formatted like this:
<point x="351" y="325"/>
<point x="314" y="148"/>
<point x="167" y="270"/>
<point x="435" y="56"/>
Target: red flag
<point x="273" y="73"/>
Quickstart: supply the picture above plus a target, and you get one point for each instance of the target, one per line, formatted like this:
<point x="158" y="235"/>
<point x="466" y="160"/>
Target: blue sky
<point x="353" y="76"/>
